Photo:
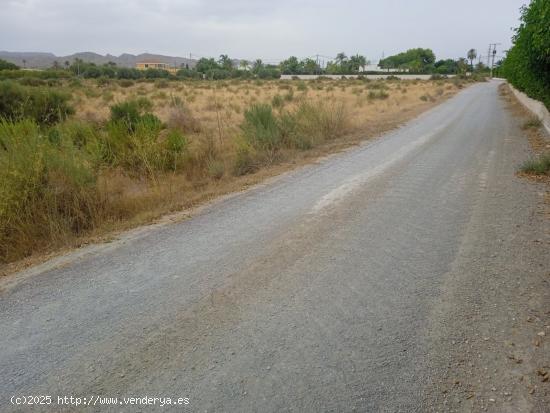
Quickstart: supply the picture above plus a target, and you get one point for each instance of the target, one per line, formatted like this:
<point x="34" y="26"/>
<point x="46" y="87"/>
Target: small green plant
<point x="537" y="166"/>
<point x="215" y="168"/>
<point x="277" y="101"/>
<point x="125" y="83"/>
<point x="532" y="123"/>
<point x="301" y="86"/>
<point x="289" y="96"/>
<point x="260" y="128"/>
<point x="244" y="159"/>
<point x="377" y="94"/>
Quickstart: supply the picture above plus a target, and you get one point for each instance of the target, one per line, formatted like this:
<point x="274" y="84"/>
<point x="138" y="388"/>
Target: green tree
<point x="225" y="62"/>
<point x="310" y="66"/>
<point x="244" y="64"/>
<point x="4" y="65"/>
<point x="291" y="66"/>
<point x="416" y="60"/>
<point x="205" y="65"/>
<point x="257" y="66"/>
<point x="356" y="62"/>
<point x="527" y="65"/>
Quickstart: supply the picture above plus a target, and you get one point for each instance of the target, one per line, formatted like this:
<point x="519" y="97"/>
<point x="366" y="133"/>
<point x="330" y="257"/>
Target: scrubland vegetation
<point x="80" y="158"/>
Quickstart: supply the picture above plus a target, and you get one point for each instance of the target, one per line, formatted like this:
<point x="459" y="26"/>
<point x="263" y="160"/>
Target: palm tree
<point x="357" y="62"/>
<point x="225" y="62"/>
<point x="257" y="65"/>
<point x="341" y="57"/>
<point x="472" y="54"/>
<point x="243" y="64"/>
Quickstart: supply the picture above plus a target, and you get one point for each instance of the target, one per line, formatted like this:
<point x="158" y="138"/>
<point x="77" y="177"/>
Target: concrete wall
<point x="380" y="76"/>
<point x="537" y="108"/>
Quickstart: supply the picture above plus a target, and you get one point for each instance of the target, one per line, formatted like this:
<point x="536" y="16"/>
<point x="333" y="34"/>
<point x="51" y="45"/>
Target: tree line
<point x="527" y="64"/>
<point x="416" y="61"/>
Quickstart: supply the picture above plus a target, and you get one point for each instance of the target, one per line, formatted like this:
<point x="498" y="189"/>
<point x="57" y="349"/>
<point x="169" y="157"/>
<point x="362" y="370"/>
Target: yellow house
<point x="156" y="65"/>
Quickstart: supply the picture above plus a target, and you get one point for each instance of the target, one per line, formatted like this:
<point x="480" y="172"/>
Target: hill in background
<point x="37" y="60"/>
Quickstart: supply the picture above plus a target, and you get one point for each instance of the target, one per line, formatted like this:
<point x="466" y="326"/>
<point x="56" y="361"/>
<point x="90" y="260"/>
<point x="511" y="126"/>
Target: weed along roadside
<point x="84" y="158"/>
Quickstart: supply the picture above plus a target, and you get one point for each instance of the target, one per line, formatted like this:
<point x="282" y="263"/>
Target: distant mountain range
<point x="36" y="60"/>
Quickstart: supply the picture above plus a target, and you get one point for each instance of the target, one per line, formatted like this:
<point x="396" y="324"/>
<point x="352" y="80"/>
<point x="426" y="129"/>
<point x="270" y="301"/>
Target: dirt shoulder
<point x="490" y="331"/>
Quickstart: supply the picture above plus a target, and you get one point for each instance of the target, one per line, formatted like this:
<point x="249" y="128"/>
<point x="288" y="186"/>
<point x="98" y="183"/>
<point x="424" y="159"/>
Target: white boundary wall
<point x="380" y="76"/>
<point x="537" y="108"/>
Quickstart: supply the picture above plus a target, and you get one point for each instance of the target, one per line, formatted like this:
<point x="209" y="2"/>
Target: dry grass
<point x="224" y="100"/>
<point x="210" y="114"/>
<point x="537" y="168"/>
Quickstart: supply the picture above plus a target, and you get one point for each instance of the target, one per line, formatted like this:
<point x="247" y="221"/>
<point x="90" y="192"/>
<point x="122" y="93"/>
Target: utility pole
<point x="493" y="61"/>
<point x="491" y="55"/>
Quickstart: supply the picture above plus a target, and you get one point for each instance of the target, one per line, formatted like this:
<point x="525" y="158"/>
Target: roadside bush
<point x="308" y="125"/>
<point x="43" y="105"/>
<point x="317" y="122"/>
<point x="48" y="190"/>
<point x="533" y="122"/>
<point x="260" y="128"/>
<point x="244" y="159"/>
<point x="537" y="166"/>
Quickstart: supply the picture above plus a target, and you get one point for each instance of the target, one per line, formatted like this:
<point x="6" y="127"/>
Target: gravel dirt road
<point x="408" y="274"/>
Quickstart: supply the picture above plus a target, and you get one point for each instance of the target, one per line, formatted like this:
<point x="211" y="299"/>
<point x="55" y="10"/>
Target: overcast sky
<point x="250" y="29"/>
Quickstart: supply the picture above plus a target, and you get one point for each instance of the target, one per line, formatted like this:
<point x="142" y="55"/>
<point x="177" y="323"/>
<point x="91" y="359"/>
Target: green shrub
<point x="377" y="94"/>
<point x="277" y="101"/>
<point x="48" y="190"/>
<point x="537" y="166"/>
<point x="301" y="86"/>
<point x="4" y="65"/>
<point x="260" y="128"/>
<point x="265" y="133"/>
<point x="289" y="96"/>
<point x="43" y="105"/>
<point x="533" y="122"/>
<point x="175" y="147"/>
<point x="244" y="159"/>
<point x="131" y="112"/>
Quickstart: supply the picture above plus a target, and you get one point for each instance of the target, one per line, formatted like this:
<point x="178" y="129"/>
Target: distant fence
<point x="374" y="77"/>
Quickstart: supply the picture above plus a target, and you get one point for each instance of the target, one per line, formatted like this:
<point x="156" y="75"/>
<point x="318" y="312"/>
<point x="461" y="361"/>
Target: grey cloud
<point x="250" y="29"/>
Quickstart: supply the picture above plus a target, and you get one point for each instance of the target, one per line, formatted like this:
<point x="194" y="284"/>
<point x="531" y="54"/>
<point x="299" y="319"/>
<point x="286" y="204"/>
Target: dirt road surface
<point x="408" y="274"/>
